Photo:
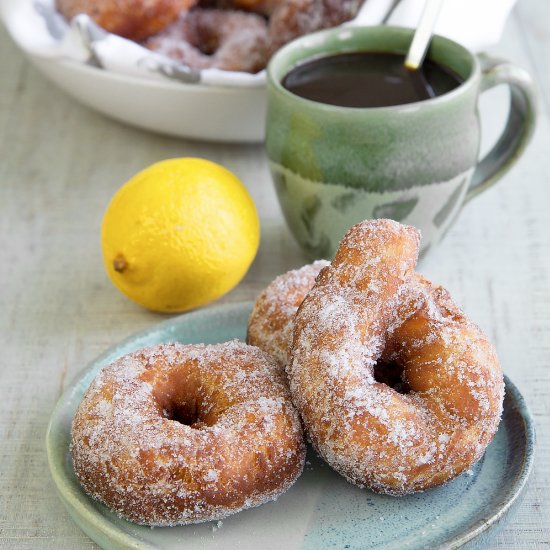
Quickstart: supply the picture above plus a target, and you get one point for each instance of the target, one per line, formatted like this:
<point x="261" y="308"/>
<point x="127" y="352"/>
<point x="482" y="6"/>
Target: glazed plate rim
<point x="80" y="506"/>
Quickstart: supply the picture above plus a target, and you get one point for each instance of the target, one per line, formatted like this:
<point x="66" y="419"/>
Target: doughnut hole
<point x="392" y="374"/>
<point x="185" y="397"/>
<point x="205" y="40"/>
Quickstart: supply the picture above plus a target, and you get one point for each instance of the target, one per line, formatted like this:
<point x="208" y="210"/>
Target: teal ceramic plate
<point x="321" y="510"/>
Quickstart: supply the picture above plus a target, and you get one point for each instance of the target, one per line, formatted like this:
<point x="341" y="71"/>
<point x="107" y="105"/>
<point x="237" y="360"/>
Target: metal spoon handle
<point x="423" y="34"/>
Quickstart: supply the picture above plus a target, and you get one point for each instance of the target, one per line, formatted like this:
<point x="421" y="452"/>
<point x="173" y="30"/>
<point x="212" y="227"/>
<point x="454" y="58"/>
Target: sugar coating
<point x="271" y="322"/>
<point x="210" y="38"/>
<point x="294" y="18"/>
<point x="243" y="446"/>
<point x="369" y="306"/>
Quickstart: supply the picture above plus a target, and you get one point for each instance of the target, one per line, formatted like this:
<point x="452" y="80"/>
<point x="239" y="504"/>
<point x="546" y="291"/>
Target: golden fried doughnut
<point x="369" y="315"/>
<point x="134" y="19"/>
<point x="272" y="319"/>
<point x="228" y="40"/>
<point x="176" y="434"/>
<point x="293" y="18"/>
<point x="264" y="7"/>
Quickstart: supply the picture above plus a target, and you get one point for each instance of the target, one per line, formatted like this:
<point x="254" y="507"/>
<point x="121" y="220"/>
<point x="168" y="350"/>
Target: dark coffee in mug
<point x="368" y="79"/>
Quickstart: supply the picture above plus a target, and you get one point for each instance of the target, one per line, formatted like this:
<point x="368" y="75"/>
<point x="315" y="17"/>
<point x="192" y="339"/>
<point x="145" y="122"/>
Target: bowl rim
<point x="107" y="75"/>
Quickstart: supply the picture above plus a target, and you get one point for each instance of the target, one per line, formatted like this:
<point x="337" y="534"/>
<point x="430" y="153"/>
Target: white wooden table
<point x="61" y="163"/>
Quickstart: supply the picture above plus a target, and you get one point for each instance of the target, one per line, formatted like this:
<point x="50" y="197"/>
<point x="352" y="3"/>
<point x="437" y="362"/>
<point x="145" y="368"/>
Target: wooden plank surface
<point x="60" y="165"/>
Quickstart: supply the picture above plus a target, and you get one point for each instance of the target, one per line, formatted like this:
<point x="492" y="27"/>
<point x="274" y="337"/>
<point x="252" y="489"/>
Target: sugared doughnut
<point x="293" y="18"/>
<point x="272" y="319"/>
<point x="176" y="434"/>
<point x="135" y="19"/>
<point x="228" y="40"/>
<point x="371" y="319"/>
<point x="264" y="7"/>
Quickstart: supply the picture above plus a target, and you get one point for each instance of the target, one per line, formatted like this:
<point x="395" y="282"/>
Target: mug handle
<point x="519" y="127"/>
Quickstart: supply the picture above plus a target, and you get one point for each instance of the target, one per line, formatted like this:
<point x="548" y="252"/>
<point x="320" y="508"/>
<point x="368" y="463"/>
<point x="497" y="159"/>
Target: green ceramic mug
<point x="417" y="163"/>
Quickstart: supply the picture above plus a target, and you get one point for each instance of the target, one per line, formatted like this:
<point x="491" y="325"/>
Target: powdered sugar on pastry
<point x="176" y="434"/>
<point x="272" y="319"/>
<point x="370" y="315"/>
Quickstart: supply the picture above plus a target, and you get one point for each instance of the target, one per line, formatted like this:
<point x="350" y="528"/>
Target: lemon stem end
<point x="120" y="263"/>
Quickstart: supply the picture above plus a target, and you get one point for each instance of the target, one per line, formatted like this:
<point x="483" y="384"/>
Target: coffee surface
<point x="369" y="79"/>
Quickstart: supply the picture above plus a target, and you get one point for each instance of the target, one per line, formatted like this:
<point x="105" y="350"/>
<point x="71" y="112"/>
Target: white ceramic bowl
<point x="213" y="113"/>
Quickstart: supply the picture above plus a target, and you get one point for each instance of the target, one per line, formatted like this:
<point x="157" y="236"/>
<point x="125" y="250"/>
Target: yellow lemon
<point x="179" y="234"/>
